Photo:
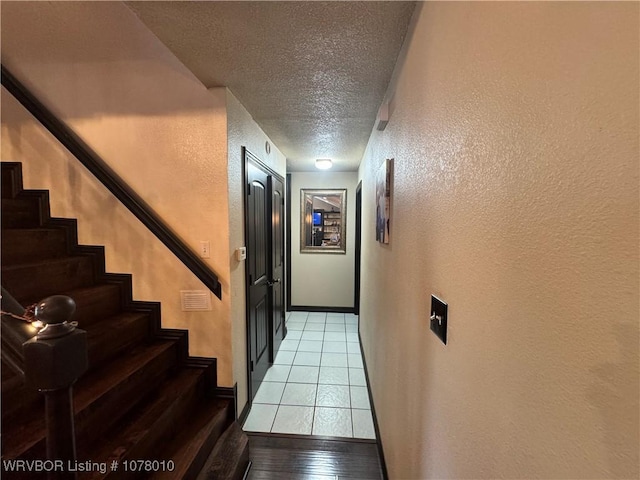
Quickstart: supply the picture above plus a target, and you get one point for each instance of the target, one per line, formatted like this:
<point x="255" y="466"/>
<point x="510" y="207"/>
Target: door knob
<point x="271" y="283"/>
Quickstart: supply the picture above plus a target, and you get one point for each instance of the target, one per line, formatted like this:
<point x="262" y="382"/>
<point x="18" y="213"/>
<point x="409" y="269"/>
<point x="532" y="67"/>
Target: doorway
<point x="358" y="252"/>
<point x="264" y="267"/>
<point x="317" y="383"/>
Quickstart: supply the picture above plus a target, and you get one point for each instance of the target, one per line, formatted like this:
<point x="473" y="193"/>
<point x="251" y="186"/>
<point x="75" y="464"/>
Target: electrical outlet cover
<point x="205" y="249"/>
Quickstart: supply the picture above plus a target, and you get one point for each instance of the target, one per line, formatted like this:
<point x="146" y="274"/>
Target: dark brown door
<point x="277" y="263"/>
<point x="258" y="233"/>
<point x="358" y="251"/>
<point x="264" y="231"/>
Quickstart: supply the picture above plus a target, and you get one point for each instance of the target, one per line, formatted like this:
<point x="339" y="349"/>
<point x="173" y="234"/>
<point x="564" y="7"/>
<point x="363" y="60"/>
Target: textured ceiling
<point x="312" y="74"/>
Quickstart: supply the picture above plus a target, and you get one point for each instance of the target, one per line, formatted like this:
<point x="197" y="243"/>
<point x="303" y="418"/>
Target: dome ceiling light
<point x="323" y="163"/>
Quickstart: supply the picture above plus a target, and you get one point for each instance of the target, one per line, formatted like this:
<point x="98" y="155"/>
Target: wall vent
<point x="195" y="300"/>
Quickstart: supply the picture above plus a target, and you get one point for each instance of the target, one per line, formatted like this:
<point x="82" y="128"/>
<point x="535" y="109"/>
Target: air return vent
<point x="195" y="300"/>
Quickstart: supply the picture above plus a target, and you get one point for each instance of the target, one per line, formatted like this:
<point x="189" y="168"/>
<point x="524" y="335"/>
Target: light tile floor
<point x="316" y="385"/>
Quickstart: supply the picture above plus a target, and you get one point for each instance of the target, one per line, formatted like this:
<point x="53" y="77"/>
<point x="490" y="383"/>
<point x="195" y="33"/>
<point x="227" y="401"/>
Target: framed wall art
<point x="383" y="201"/>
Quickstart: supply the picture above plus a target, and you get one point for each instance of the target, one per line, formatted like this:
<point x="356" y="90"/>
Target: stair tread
<point x="230" y="456"/>
<point x="139" y="399"/>
<point x="11" y="179"/>
<point x="34" y="229"/>
<point x="86" y="296"/>
<point x="21" y="244"/>
<point x="197" y="439"/>
<point x="113" y="323"/>
<point x="120" y="443"/>
<point x="39" y="230"/>
<point x="23" y="209"/>
<point x="92" y="386"/>
<point x="116" y="332"/>
<point x="44" y="262"/>
<point x="51" y="276"/>
<point x="88" y="390"/>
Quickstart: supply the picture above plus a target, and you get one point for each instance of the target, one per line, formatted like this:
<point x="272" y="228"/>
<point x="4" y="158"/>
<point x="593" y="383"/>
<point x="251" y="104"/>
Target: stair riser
<point x="141" y="398"/>
<point x="96" y="304"/>
<point x="241" y="463"/>
<point x="11" y="179"/>
<point x="230" y="457"/>
<point x="163" y="430"/>
<point x="20" y="400"/>
<point x="111" y="343"/>
<point x="95" y="421"/>
<point x="191" y="461"/>
<point x="34" y="282"/>
<point x="20" y="213"/>
<point x="28" y="246"/>
<point x="194" y="469"/>
<point x="142" y="424"/>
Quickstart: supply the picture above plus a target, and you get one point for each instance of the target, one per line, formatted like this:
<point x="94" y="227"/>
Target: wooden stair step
<point x="102" y="401"/>
<point x="106" y="339"/>
<point x="13" y="394"/>
<point x="100" y="398"/>
<point x="111" y="336"/>
<point x="11" y="179"/>
<point x="28" y="209"/>
<point x="155" y="422"/>
<point x="21" y="245"/>
<point x="18" y="400"/>
<point x="48" y="277"/>
<point x="141" y="398"/>
<point x="20" y="212"/>
<point x="10" y="377"/>
<point x="191" y="448"/>
<point x="95" y="302"/>
<point x="229" y="458"/>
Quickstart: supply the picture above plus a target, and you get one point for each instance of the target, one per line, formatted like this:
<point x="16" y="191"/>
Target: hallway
<point x="317" y="384"/>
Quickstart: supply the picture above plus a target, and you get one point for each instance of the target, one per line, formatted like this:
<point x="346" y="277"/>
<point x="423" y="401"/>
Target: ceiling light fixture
<point x="323" y="163"/>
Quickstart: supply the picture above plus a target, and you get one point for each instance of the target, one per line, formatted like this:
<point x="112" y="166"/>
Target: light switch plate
<point x="438" y="318"/>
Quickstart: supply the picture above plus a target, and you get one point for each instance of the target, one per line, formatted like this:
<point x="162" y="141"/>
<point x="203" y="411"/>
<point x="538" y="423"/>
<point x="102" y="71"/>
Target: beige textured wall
<point x="242" y="131"/>
<point x="98" y="68"/>
<point x="515" y="136"/>
<point x="318" y="279"/>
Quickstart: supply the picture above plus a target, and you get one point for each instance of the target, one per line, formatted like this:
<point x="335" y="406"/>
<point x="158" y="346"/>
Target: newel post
<point x="54" y="359"/>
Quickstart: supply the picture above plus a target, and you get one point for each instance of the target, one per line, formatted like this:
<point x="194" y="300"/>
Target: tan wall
<point x="242" y="131"/>
<point x="318" y="279"/>
<point x="97" y="67"/>
<point x="515" y="136"/>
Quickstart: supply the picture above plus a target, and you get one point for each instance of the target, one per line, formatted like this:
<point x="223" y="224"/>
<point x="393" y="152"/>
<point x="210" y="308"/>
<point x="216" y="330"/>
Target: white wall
<point x="242" y="131"/>
<point x="98" y="68"/>
<point x="515" y="136"/>
<point x="319" y="279"/>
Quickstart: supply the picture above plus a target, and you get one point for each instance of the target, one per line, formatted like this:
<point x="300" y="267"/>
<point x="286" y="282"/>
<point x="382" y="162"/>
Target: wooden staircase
<point x="143" y="397"/>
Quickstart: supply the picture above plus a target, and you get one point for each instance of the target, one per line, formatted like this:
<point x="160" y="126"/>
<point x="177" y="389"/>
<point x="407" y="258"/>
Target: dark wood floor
<point x="288" y="457"/>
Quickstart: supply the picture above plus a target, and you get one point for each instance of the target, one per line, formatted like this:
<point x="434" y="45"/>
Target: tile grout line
<point x="317" y="383"/>
<point x="273" y="422"/>
<point x="353" y="430"/>
<point x="315" y="400"/>
<point x="315" y="403"/>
